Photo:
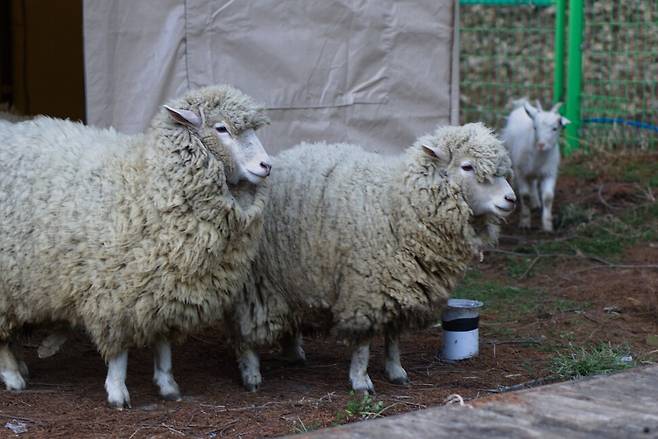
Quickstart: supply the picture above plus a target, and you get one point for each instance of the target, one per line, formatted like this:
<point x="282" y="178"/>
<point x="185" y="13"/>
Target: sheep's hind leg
<point x="395" y="373"/>
<point x="10" y="369"/>
<point x="292" y="348"/>
<point x="115" y="383"/>
<point x="249" y="364"/>
<point x="359" y="369"/>
<point x="162" y="375"/>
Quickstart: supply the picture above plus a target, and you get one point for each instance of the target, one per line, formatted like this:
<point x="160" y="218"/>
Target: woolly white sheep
<point x="137" y="239"/>
<point x="360" y="244"/>
<point x="531" y="136"/>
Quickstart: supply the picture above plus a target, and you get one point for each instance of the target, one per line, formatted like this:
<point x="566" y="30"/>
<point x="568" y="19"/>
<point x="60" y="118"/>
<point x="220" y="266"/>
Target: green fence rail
<point x="600" y="57"/>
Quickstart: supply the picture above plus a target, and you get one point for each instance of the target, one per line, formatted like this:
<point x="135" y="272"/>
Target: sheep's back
<point x="55" y="188"/>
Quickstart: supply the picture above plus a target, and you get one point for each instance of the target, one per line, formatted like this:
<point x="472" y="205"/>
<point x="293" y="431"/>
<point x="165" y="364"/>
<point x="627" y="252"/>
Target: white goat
<point x="531" y="136"/>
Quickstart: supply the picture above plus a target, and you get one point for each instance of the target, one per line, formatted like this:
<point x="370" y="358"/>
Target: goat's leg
<point x="249" y="364"/>
<point x="292" y="348"/>
<point x="535" y="201"/>
<point x="524" y="192"/>
<point x="115" y="383"/>
<point x="393" y="369"/>
<point x="10" y="368"/>
<point x="359" y="369"/>
<point x="51" y="344"/>
<point x="162" y="375"/>
<point x="547" y="191"/>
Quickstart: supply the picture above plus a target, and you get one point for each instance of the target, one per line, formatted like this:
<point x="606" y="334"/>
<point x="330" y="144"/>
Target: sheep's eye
<point x="467" y="168"/>
<point x="554" y="128"/>
<point x="221" y="129"/>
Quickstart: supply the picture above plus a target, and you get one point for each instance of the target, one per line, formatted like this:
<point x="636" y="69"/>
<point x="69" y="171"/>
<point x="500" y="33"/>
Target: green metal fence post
<point x="574" y="74"/>
<point x="558" y="72"/>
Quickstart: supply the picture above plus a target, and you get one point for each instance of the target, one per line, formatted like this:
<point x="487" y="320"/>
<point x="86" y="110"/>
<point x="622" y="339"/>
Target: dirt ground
<point x="548" y="294"/>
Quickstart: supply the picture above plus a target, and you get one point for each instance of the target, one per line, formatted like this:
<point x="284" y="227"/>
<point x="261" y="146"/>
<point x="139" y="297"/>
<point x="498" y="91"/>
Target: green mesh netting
<point x="619" y="101"/>
<point x="507" y="52"/>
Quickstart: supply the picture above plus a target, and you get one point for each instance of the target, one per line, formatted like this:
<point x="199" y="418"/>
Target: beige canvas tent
<point x="375" y="72"/>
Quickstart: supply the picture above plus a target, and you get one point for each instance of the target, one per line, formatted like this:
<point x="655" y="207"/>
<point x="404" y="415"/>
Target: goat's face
<point x="492" y="195"/>
<point x="547" y="126"/>
<point x="251" y="162"/>
<point x="242" y="154"/>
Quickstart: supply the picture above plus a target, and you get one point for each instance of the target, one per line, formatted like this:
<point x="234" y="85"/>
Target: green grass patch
<point x="581" y="361"/>
<point x="579" y="170"/>
<point x="643" y="172"/>
<point x="360" y="407"/>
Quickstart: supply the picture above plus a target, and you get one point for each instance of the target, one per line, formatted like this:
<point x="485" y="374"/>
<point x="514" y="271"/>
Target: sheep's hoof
<point x="13" y="380"/>
<point x="363" y="385"/>
<point x="251" y="387"/>
<point x="400" y="380"/>
<point x="119" y="404"/>
<point x="174" y="396"/>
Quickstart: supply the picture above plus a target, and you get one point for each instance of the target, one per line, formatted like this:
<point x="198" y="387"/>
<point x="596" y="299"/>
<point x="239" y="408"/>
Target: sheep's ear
<point x="564" y="121"/>
<point x="556" y="107"/>
<point x="184" y="117"/>
<point x="538" y="104"/>
<point x="437" y="151"/>
<point x="530" y="110"/>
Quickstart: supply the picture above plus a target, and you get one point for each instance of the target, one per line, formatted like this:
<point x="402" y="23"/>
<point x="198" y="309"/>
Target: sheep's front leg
<point x="524" y="192"/>
<point x="115" y="383"/>
<point x="393" y="369"/>
<point x="249" y="364"/>
<point x="10" y="369"/>
<point x="162" y="376"/>
<point x="359" y="369"/>
<point x="292" y="348"/>
<point x="547" y="191"/>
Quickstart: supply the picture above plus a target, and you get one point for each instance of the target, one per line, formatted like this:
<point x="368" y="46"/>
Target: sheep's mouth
<point x="506" y="210"/>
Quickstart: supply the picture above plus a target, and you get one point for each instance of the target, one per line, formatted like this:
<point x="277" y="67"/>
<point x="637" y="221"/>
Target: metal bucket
<point x="460" y="323"/>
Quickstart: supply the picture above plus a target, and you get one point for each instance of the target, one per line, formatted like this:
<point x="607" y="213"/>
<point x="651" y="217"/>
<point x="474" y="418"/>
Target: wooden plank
<point x="614" y="406"/>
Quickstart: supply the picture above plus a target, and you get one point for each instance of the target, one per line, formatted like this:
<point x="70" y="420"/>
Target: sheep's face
<point x="547" y="126"/>
<point x="473" y="159"/>
<point x="243" y="155"/>
<point x="493" y="196"/>
<point x="251" y="162"/>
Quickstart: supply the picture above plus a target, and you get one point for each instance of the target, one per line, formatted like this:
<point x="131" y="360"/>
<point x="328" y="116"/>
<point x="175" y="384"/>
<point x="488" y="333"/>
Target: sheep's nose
<point x="541" y="145"/>
<point x="267" y="167"/>
<point x="511" y="198"/>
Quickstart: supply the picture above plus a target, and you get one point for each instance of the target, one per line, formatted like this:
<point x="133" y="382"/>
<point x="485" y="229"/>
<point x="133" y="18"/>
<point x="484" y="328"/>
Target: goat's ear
<point x="184" y="117"/>
<point x="438" y="151"/>
<point x="556" y="107"/>
<point x="564" y="121"/>
<point x="530" y="110"/>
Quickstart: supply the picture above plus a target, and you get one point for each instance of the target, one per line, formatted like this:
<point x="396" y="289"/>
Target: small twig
<point x="531" y="266"/>
<point x="519" y="341"/>
<point x="602" y="200"/>
<point x="525" y="385"/>
<point x="172" y="429"/>
<point x="20" y="418"/>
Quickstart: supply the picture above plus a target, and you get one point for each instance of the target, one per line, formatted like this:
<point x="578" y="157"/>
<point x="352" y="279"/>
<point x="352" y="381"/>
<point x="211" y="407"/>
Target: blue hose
<point x="622" y="121"/>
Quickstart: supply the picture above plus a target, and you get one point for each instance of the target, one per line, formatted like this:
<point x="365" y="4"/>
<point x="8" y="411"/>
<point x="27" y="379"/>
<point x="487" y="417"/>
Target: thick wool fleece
<point x="134" y="238"/>
<point x="357" y="243"/>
